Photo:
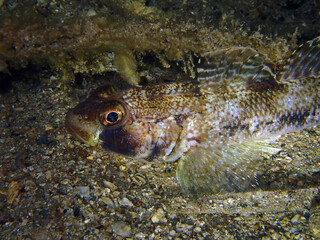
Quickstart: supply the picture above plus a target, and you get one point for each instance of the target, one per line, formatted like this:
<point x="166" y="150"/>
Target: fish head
<point x="110" y="122"/>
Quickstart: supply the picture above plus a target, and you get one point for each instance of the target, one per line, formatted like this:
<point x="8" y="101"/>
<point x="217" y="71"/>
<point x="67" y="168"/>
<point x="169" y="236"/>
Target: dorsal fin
<point x="234" y="63"/>
<point x="304" y="62"/>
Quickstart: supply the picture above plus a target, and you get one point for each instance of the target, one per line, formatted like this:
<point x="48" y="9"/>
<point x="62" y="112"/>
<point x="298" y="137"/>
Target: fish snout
<point x="83" y="125"/>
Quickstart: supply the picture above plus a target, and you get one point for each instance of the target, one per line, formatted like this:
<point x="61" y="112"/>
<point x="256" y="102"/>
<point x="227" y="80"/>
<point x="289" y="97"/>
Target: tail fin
<point x="304" y="63"/>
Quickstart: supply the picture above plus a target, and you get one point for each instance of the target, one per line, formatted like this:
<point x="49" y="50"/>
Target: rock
<point x="121" y="229"/>
<point x="91" y="12"/>
<point x="107" y="201"/>
<point x="180" y="227"/>
<point x="172" y="233"/>
<point x="125" y="202"/>
<point x="90" y="157"/>
<point x="159" y="216"/>
<point x="296" y="218"/>
<point x="109" y="185"/>
<point x="48" y="127"/>
<point x="83" y="191"/>
<point x="140" y="235"/>
<point x="13" y="191"/>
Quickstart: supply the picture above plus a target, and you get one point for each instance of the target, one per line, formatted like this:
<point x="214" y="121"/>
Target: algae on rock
<point x="102" y="36"/>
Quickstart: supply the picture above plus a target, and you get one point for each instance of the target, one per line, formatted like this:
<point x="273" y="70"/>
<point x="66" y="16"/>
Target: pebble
<point x="107" y="201"/>
<point x="83" y="191"/>
<point x="90" y="157"/>
<point x="121" y="229"/>
<point x="125" y="202"/>
<point x="30" y="186"/>
<point x="314" y="223"/>
<point x="172" y="233"/>
<point x="13" y="191"/>
<point x="139" y="179"/>
<point x="48" y="127"/>
<point x="180" y="227"/>
<point x="140" y="236"/>
<point x="60" y="137"/>
<point x="109" y="185"/>
<point x="296" y="218"/>
<point x="19" y="109"/>
<point x="159" y="216"/>
<point x="91" y="12"/>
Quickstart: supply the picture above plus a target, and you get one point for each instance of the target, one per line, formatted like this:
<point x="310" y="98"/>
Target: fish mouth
<point x="80" y="127"/>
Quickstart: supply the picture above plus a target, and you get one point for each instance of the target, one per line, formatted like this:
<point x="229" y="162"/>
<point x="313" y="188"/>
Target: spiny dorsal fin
<point x="234" y="63"/>
<point x="223" y="168"/>
<point x="304" y="62"/>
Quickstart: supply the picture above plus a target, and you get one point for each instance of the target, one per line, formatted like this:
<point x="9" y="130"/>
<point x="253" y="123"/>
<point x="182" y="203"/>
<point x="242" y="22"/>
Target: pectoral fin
<point x="220" y="169"/>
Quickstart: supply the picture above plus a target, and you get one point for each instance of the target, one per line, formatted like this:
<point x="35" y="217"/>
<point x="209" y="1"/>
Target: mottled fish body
<point x="214" y="125"/>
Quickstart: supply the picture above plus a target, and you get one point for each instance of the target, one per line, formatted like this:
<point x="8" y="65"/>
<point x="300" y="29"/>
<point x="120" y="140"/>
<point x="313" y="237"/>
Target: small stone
<point x="296" y="218"/>
<point x="109" y="185"/>
<point x="180" y="227"/>
<point x="48" y="127"/>
<point x="30" y="186"/>
<point x="172" y="233"/>
<point x="139" y="179"/>
<point x="60" y="137"/>
<point x="116" y="194"/>
<point x="314" y="223"/>
<point x="90" y="157"/>
<point x="19" y="109"/>
<point x="83" y="191"/>
<point x="159" y="216"/>
<point x="125" y="202"/>
<point x="146" y="166"/>
<point x="121" y="229"/>
<point x="140" y="236"/>
<point x="107" y="201"/>
<point x="91" y="12"/>
<point x="158" y="230"/>
<point x="13" y="191"/>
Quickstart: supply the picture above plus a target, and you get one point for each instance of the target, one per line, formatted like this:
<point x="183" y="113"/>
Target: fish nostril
<point x="85" y="117"/>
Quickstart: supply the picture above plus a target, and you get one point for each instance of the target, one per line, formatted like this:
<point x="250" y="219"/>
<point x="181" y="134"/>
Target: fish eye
<point x="111" y="114"/>
<point x="112" y="117"/>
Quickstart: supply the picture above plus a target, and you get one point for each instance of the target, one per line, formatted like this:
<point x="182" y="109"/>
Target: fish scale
<point x="216" y="125"/>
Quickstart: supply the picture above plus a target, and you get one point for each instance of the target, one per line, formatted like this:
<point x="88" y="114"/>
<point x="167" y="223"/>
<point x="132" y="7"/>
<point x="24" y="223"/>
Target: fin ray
<point x="304" y="62"/>
<point x="232" y="63"/>
<point x="226" y="168"/>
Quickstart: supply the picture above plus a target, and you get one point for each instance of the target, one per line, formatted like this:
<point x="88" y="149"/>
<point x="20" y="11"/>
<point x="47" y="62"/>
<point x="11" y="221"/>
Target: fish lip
<point x="88" y="132"/>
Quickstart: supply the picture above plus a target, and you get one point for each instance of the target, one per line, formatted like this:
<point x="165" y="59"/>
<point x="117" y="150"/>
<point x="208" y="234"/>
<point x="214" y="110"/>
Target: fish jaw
<point x="81" y="123"/>
<point x="132" y="140"/>
<point x="143" y="140"/>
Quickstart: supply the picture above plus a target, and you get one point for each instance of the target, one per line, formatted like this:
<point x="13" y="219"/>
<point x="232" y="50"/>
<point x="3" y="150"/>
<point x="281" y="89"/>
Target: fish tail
<point x="304" y="62"/>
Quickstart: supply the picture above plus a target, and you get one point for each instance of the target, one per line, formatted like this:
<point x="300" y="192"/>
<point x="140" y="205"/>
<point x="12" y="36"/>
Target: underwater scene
<point x="159" y="119"/>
